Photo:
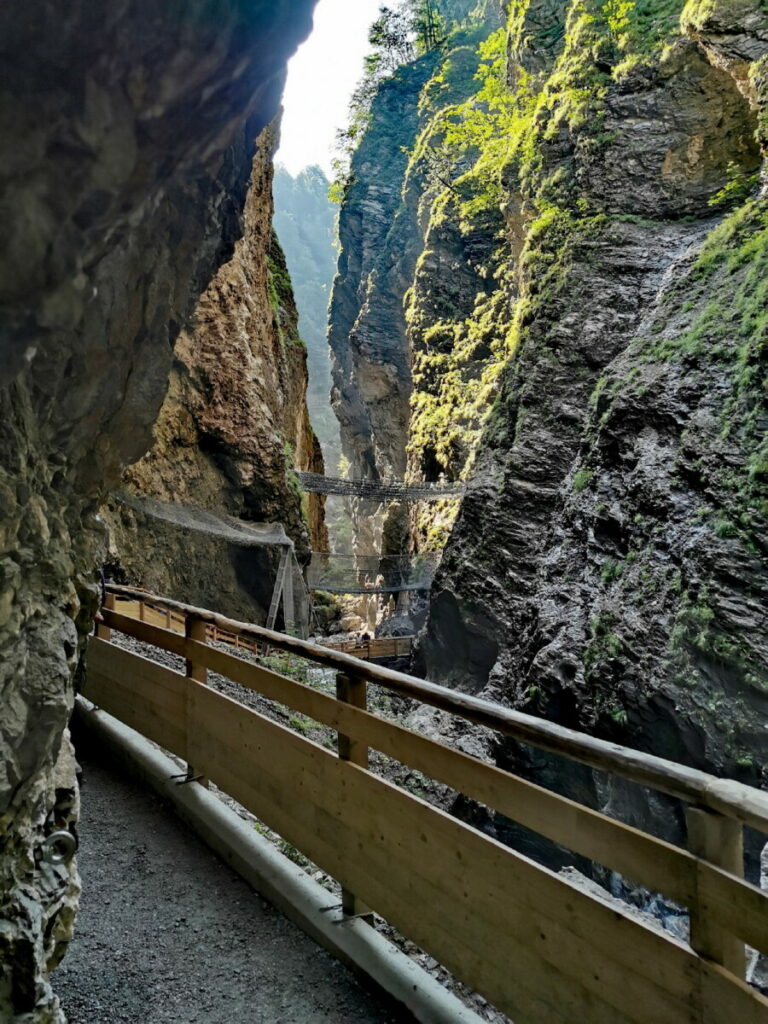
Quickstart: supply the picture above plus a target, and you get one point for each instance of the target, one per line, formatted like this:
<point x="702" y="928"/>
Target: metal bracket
<point x="183" y="780"/>
<point x="59" y="847"/>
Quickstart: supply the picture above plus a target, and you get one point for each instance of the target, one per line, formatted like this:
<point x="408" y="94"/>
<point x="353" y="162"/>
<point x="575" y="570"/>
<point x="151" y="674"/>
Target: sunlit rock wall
<point x="233" y="427"/>
<point x="607" y="569"/>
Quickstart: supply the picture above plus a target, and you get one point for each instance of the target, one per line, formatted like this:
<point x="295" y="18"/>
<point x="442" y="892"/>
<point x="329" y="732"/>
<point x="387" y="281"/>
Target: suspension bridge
<point x="379" y="490"/>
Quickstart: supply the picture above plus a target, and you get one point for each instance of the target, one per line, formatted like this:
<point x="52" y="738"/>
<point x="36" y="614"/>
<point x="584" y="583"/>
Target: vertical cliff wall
<point x="233" y="427"/>
<point x="127" y="140"/>
<point x="305" y="222"/>
<point x="584" y="341"/>
<point x="409" y="275"/>
<point x="608" y="567"/>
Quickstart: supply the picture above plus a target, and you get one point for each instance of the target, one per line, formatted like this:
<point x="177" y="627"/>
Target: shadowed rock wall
<point x="233" y="426"/>
<point x="127" y="137"/>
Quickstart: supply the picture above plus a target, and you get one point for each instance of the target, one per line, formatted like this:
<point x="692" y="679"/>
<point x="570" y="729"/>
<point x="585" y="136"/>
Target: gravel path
<point x="167" y="934"/>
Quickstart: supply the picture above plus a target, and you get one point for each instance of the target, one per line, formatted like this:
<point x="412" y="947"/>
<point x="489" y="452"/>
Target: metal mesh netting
<point x="315" y="483"/>
<point x="372" y="574"/>
<point x="338" y="574"/>
<point x="227" y="528"/>
<point x="290" y="587"/>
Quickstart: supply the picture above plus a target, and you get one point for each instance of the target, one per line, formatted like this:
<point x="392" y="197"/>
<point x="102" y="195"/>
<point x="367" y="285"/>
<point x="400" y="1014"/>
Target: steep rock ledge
<point x="127" y="141"/>
<point x="233" y="427"/>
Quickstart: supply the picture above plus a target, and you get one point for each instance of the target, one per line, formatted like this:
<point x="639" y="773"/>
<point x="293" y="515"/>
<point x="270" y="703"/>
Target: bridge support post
<point x="353" y="691"/>
<point x="194" y="629"/>
<point x="719" y="840"/>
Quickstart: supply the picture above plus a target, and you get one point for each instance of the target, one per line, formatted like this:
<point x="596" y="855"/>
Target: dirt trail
<point x="167" y="934"/>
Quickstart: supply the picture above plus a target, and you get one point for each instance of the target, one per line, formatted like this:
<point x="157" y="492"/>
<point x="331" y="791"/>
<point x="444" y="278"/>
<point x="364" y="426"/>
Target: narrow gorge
<point x="537" y="313"/>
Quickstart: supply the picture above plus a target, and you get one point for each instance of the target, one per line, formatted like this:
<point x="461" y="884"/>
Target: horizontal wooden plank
<point x="741" y="908"/>
<point x="281" y="800"/>
<point x="147" y="632"/>
<point x="743" y="803"/>
<point x="738" y="906"/>
<point x="144" y="695"/>
<point x="728" y="1000"/>
<point x="635" y="854"/>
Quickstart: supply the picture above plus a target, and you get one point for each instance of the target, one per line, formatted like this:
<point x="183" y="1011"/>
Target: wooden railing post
<point x="194" y="629"/>
<point x="104" y="632"/>
<point x="719" y="840"/>
<point x="352" y="690"/>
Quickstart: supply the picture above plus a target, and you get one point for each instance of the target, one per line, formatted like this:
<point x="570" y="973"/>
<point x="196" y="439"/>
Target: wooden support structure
<point x="716" y="840"/>
<point x="195" y="629"/>
<point x="541" y="949"/>
<point x="102" y="630"/>
<point x="352" y="690"/>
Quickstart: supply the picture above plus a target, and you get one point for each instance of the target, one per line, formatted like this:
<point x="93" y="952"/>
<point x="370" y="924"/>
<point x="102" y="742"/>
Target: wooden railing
<point x="541" y="949"/>
<point x="146" y="609"/>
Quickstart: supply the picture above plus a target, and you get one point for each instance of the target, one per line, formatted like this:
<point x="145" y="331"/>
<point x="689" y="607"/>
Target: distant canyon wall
<point x="305" y="222"/>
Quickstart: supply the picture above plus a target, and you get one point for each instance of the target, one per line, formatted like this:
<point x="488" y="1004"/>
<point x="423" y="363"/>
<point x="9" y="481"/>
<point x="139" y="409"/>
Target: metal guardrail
<point x="541" y="949"/>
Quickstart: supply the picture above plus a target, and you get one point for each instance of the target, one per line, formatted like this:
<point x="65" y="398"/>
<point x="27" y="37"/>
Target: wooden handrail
<point x="540" y="948"/>
<point x="724" y="796"/>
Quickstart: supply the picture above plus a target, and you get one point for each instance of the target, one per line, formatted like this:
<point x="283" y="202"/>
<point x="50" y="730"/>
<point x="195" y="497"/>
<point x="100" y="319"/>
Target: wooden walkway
<point x="539" y="948"/>
<point x="148" y="610"/>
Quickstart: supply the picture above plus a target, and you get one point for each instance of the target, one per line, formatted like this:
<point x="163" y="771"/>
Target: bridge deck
<point x="379" y="490"/>
<point x="375" y="649"/>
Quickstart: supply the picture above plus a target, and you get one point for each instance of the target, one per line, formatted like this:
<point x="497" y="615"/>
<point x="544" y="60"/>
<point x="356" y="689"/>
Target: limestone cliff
<point x="305" y="222"/>
<point x="585" y="342"/>
<point x="233" y="427"/>
<point x="403" y="270"/>
<point x="127" y="141"/>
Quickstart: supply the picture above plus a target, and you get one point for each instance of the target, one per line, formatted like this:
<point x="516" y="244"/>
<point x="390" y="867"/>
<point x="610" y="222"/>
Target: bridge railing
<point x="145" y="609"/>
<point x="540" y="948"/>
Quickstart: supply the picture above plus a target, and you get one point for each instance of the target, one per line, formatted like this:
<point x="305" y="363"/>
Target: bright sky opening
<point x="321" y="78"/>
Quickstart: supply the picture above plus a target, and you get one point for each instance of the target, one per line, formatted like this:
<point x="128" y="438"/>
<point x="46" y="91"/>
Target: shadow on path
<point x="168" y="934"/>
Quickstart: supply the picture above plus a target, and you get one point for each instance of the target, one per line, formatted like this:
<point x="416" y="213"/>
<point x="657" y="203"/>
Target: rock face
<point x="127" y="142"/>
<point x="608" y="568"/>
<point x="305" y="222"/>
<point x="585" y="342"/>
<point x="403" y="268"/>
<point x="233" y="426"/>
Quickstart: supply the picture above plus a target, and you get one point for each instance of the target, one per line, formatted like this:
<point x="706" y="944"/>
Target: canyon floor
<point x="167" y="934"/>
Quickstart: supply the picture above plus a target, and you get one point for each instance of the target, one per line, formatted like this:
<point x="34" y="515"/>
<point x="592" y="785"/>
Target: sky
<point x="321" y="77"/>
